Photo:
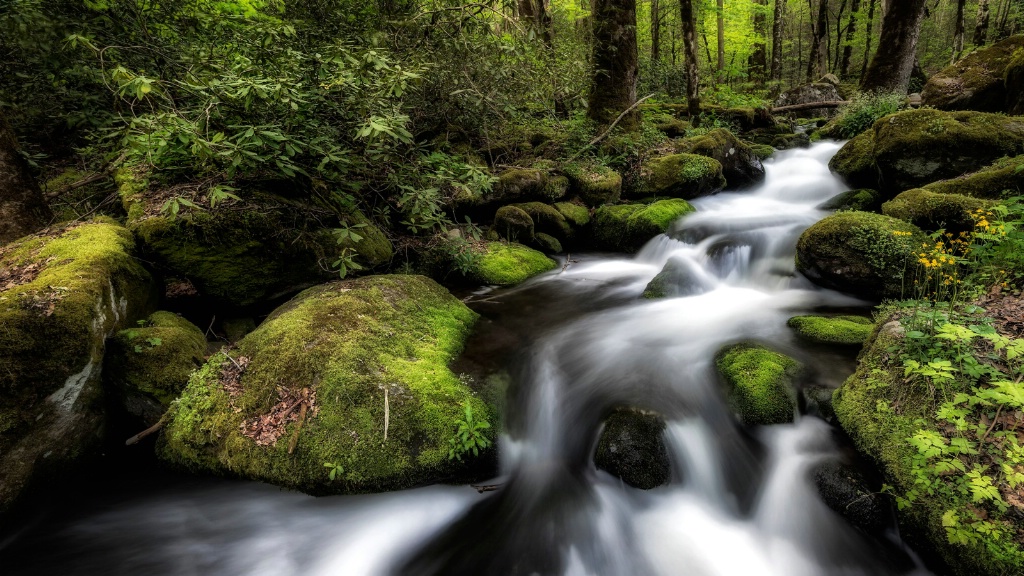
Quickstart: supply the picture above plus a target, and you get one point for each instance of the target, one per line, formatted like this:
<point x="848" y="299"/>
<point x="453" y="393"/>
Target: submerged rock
<point x="761" y="387"/>
<point x="740" y="165"/>
<point x="975" y="82"/>
<point x="632" y="448"/>
<point x="353" y="374"/>
<point x="686" y="176"/>
<point x="61" y="295"/>
<point x="837" y="330"/>
<point x="868" y="255"/>
<point x="627" y="227"/>
<point x="846" y="492"/>
<point x="677" y="278"/>
<point x="931" y="211"/>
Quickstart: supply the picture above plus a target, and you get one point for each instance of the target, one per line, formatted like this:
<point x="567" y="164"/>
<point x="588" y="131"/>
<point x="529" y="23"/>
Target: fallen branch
<point x="608" y="131"/>
<point x="160" y="424"/>
<point x="810" y="106"/>
<point x="304" y="403"/>
<point x="487" y="487"/>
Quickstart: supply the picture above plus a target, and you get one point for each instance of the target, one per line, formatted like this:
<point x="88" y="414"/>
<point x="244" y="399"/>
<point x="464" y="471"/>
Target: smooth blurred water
<point x="742" y="501"/>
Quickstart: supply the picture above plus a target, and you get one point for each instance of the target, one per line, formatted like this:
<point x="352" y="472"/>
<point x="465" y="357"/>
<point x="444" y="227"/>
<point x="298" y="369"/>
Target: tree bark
<point x="758" y="64"/>
<point x="851" y="30"/>
<point x="22" y="208"/>
<point x="817" y="64"/>
<point x="777" y="28"/>
<point x="655" y="32"/>
<point x="613" y="85"/>
<point x="689" y="25"/>
<point x="959" y="31"/>
<point x="721" y="36"/>
<point x="893" y="62"/>
<point x="868" y="36"/>
<point x="981" y="25"/>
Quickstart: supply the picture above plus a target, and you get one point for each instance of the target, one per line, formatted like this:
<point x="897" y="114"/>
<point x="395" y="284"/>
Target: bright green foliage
<point x="861" y="113"/>
<point x="470" y="436"/>
<point x="760" y="383"/>
<point x="374" y="353"/>
<point x="840" y="330"/>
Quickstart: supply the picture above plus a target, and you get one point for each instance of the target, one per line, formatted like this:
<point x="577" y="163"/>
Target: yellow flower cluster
<point x="899" y="233"/>
<point x="985" y="221"/>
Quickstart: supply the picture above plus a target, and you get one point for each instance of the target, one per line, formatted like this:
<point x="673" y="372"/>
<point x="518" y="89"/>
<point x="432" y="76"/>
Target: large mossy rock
<point x="547" y="219"/>
<point x="760" y="383"/>
<point x="686" y="176"/>
<point x="514" y="224"/>
<point x="1003" y="179"/>
<point x="593" y="184"/>
<point x="248" y="251"/>
<point x="931" y="211"/>
<point x="147" y="366"/>
<point x="869" y="255"/>
<point x="975" y="82"/>
<point x="833" y="330"/>
<point x="632" y="448"/>
<point x="627" y="227"/>
<point x="352" y="373"/>
<point x="61" y="295"/>
<point x="1013" y="79"/>
<point x="913" y="148"/>
<point x="523" y="185"/>
<point x="741" y="166"/>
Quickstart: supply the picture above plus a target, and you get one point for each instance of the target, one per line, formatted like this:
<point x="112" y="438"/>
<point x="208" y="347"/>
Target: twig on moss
<point x="609" y="130"/>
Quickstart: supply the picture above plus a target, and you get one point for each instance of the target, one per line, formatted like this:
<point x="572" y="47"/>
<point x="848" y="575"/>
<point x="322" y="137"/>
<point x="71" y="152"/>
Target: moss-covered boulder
<point x="1013" y="80"/>
<point x="507" y="263"/>
<point x="862" y="200"/>
<point x="547" y="244"/>
<point x="916" y="147"/>
<point x="61" y="295"/>
<point x="594" y="184"/>
<point x="353" y="374"/>
<point x="523" y="185"/>
<point x="547" y="219"/>
<point x="760" y="383"/>
<point x="627" y="227"/>
<point x="514" y="224"/>
<point x="835" y="330"/>
<point x="974" y="82"/>
<point x="1003" y="179"/>
<point x="869" y="255"/>
<point x="147" y="366"/>
<point x="632" y="448"/>
<point x="740" y="165"/>
<point x="931" y="211"/>
<point x="576" y="215"/>
<point x="762" y="151"/>
<point x="686" y="176"/>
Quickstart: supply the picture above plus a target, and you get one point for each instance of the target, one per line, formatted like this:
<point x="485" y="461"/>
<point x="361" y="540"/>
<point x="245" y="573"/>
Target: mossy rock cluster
<point x="632" y="448"/>
<point x="833" y="330"/>
<point x="520" y="185"/>
<point x="862" y="200"/>
<point x="685" y="176"/>
<point x="627" y="227"/>
<point x="913" y="148"/>
<point x="975" y="82"/>
<point x="760" y="383"/>
<point x="147" y="366"/>
<point x="868" y="255"/>
<point x="791" y="140"/>
<point x="593" y="183"/>
<point x="932" y="211"/>
<point x="740" y="165"/>
<point x="368" y="361"/>
<point x="64" y="293"/>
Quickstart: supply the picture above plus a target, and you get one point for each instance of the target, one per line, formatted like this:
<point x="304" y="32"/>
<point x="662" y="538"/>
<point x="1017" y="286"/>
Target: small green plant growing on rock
<point x="334" y="470"/>
<point x="469" y="437"/>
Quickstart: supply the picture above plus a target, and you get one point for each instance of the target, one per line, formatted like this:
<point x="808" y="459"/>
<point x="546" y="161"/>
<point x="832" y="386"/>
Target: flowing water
<point x="742" y="502"/>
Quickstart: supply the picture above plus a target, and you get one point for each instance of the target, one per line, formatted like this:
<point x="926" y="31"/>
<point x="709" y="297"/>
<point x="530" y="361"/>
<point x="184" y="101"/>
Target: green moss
<point x="930" y="211"/>
<point x="522" y="185"/>
<point x="859" y="252"/>
<point x="374" y="249"/>
<point x="594" y="184"/>
<point x="681" y="176"/>
<point x="855" y="161"/>
<point x="762" y="151"/>
<point x="132" y="183"/>
<point x="513" y="223"/>
<point x="672" y="127"/>
<point x="760" y="383"/>
<point x="548" y="244"/>
<point x="547" y="219"/>
<point x="348" y="342"/>
<point x="627" y="227"/>
<point x="1003" y="179"/>
<point x="974" y="82"/>
<point x="149" y="365"/>
<point x="507" y="264"/>
<point x="576" y="215"/>
<point x="841" y="330"/>
<point x="862" y="200"/>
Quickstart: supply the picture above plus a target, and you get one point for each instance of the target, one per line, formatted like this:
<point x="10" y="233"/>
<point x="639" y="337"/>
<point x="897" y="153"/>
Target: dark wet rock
<point x="632" y="448"/>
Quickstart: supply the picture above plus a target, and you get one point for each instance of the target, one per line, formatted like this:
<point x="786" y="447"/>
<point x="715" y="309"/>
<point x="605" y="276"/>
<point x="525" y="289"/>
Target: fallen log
<point x="810" y="106"/>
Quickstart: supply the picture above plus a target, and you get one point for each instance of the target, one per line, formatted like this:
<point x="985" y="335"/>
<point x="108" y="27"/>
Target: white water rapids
<point x="741" y="503"/>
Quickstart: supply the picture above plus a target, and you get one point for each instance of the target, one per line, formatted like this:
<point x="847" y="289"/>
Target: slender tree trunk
<point x="893" y="63"/>
<point x="613" y="86"/>
<point x="839" y="36"/>
<point x="959" y="31"/>
<point x="543" y="19"/>
<point x="981" y="24"/>
<point x="655" y="32"/>
<point x="817" y="64"/>
<point x="1002" y="20"/>
<point x="851" y="30"/>
<point x="758" y="64"/>
<point x="869" y="32"/>
<point x="777" y="29"/>
<point x="689" y="22"/>
<point x="22" y="208"/>
<point x="721" y="36"/>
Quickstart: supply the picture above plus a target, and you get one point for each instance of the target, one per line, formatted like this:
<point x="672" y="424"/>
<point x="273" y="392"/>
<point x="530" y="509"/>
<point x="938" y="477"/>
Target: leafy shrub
<point x="862" y="111"/>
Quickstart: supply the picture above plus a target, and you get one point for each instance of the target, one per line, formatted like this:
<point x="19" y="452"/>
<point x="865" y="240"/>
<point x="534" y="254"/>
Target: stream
<point x="741" y="502"/>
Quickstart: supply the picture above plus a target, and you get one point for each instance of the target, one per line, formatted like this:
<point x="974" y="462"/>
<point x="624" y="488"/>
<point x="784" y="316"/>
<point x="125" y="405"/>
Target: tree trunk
<point x="721" y="36"/>
<point x="959" y="31"/>
<point x="867" y="42"/>
<point x="817" y="64"/>
<point x="839" y="37"/>
<point x="655" y="32"/>
<point x="690" y="52"/>
<point x="893" y="63"/>
<point x="613" y="85"/>
<point x="543" y="21"/>
<point x="22" y="208"/>
<point x="758" y="64"/>
<point x="851" y="30"/>
<point x="981" y="26"/>
<point x="777" y="28"/>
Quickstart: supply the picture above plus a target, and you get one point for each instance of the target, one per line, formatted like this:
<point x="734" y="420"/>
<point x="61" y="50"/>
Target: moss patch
<point x="347" y="342"/>
<point x="685" y="176"/>
<point x="594" y="184"/>
<point x="760" y="383"/>
<point x="514" y="224"/>
<point x="931" y="211"/>
<point x="576" y="215"/>
<point x="627" y="227"/>
<point x="740" y="165"/>
<point x="863" y="200"/>
<point x="508" y="263"/>
<point x="1003" y="179"/>
<point x="975" y="82"/>
<point x="839" y="330"/>
<point x="855" y="161"/>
